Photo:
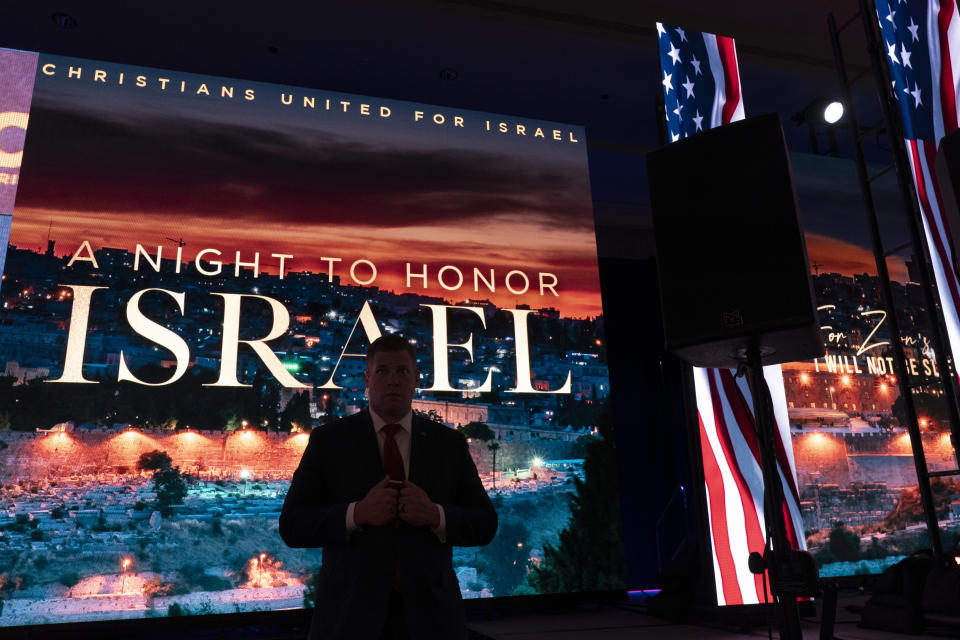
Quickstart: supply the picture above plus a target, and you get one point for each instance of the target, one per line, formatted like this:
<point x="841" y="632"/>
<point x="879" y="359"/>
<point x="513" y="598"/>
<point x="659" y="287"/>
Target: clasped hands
<point x="384" y="504"/>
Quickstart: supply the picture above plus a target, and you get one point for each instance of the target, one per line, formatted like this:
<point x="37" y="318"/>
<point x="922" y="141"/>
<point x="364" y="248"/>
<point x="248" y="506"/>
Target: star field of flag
<point x="700" y="79"/>
<point x="921" y="39"/>
<point x="698" y="91"/>
<point x="905" y="28"/>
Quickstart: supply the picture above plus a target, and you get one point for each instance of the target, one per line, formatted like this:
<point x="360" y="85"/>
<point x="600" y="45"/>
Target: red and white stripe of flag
<point x="936" y="229"/>
<point x="944" y="50"/>
<point x="944" y="45"/>
<point x="727" y="103"/>
<point x="734" y="477"/>
<point x="731" y="462"/>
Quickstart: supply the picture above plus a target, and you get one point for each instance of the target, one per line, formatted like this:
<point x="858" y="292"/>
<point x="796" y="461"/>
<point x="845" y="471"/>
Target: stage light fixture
<point x="821" y="115"/>
<point x="833" y="112"/>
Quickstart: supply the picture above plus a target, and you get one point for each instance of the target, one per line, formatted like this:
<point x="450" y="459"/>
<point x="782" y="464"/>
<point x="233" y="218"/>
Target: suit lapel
<point x="420" y="452"/>
<point x="369" y="451"/>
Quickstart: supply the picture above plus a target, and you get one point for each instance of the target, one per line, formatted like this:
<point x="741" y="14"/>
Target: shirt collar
<point x="379" y="423"/>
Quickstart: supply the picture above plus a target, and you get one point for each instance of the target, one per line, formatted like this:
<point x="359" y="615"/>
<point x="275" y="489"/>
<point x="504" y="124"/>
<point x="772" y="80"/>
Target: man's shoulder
<point x="342" y="426"/>
<point x="437" y="429"/>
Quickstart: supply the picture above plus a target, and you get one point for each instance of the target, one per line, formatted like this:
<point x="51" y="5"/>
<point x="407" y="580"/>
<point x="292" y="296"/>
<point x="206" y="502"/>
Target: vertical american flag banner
<point x="922" y="41"/>
<point x="701" y="90"/>
<point x="701" y="80"/>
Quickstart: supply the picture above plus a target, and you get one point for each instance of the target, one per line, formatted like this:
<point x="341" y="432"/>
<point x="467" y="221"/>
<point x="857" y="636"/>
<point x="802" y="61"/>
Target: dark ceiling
<point x="593" y="64"/>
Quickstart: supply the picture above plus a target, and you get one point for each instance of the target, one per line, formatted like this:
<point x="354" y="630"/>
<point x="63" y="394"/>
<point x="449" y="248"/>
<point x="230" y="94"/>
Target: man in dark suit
<point x="387" y="494"/>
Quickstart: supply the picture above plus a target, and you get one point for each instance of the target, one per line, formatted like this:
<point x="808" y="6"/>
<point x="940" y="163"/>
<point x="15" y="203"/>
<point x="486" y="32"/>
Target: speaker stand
<point x="788" y="615"/>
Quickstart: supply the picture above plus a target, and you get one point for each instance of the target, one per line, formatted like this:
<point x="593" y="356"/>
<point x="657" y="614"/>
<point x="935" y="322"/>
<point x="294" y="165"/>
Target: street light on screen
<point x="124" y="565"/>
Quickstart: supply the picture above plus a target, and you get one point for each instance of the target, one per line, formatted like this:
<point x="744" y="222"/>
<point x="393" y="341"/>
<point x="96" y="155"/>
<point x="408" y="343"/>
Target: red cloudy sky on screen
<point x="103" y="165"/>
<point x="838" y="256"/>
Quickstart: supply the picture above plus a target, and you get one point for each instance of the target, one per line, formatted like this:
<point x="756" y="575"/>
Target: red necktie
<point x="393" y="465"/>
<point x="392" y="461"/>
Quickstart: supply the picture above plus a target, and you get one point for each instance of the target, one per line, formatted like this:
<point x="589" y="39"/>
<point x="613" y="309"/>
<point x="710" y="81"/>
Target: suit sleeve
<point x="470" y="517"/>
<point x="309" y="518"/>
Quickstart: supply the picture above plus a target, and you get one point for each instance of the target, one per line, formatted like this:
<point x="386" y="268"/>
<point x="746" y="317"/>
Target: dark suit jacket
<point x="339" y="466"/>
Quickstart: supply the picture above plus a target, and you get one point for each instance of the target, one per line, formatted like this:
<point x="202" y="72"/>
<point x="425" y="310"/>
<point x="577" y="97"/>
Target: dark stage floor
<point x="629" y="620"/>
<point x="617" y="621"/>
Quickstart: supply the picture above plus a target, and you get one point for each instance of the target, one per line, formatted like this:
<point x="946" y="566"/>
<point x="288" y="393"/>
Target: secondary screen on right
<point x="855" y="469"/>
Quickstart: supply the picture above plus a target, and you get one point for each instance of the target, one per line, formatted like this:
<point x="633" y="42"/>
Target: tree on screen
<point x="476" y="430"/>
<point x="296" y="413"/>
<point x="931" y="411"/>
<point x="170" y="488"/>
<point x="575" y="412"/>
<point x="6" y="398"/>
<point x="844" y="543"/>
<point x="168" y="482"/>
<point x="504" y="561"/>
<point x="429" y="415"/>
<point x="154" y="460"/>
<point x="909" y="507"/>
<point x="589" y="556"/>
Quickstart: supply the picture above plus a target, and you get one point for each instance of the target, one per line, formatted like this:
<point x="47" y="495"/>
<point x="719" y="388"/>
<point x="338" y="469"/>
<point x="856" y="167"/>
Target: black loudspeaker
<point x="947" y="166"/>
<point x="731" y="256"/>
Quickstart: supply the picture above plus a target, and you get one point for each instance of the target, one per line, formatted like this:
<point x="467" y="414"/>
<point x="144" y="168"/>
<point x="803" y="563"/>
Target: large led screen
<point x="856" y="483"/>
<point x="195" y="268"/>
<point x="856" y="475"/>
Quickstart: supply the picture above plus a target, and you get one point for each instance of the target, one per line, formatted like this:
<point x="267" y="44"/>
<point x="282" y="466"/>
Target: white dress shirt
<point x="402" y="438"/>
